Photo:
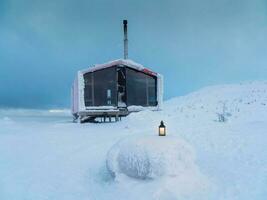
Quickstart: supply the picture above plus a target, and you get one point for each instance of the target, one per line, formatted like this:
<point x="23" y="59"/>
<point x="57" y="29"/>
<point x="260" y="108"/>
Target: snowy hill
<point x="45" y="156"/>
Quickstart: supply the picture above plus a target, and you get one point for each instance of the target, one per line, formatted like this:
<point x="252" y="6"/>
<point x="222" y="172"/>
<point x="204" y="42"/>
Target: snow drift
<point x="151" y="157"/>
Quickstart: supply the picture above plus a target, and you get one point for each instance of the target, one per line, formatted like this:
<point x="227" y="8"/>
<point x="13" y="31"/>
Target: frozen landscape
<point x="43" y="155"/>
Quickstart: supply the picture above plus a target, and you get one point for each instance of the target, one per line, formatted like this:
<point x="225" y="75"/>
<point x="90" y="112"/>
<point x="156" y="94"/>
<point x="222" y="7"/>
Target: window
<point x="105" y="87"/>
<point x="141" y="88"/>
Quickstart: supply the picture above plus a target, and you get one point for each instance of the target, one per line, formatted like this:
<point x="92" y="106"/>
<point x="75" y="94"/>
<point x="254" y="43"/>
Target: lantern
<point x="162" y="129"/>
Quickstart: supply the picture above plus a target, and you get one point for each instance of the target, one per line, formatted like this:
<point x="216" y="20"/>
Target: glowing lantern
<point x="162" y="129"/>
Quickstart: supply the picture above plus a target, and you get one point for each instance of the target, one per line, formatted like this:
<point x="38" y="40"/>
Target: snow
<point x="127" y="62"/>
<point x="135" y="108"/>
<point x="165" y="160"/>
<point x="43" y="155"/>
<point x="150" y="157"/>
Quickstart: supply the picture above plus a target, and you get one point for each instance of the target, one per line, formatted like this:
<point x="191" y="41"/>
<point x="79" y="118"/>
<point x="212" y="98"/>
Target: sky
<point x="192" y="43"/>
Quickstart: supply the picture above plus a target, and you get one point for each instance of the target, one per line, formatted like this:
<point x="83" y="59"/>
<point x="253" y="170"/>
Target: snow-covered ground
<point x="43" y="155"/>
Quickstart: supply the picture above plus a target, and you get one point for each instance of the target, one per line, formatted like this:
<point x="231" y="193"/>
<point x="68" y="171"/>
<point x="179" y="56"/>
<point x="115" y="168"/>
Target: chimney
<point x="125" y="39"/>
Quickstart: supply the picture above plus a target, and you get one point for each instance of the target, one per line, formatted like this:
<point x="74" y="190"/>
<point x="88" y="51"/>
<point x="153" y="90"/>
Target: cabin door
<point x="121" y="87"/>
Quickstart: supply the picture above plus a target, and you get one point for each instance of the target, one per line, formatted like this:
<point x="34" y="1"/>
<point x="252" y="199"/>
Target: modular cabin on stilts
<point x="115" y="89"/>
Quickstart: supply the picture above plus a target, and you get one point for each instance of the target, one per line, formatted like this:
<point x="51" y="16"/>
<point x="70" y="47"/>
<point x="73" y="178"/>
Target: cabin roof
<point x="128" y="63"/>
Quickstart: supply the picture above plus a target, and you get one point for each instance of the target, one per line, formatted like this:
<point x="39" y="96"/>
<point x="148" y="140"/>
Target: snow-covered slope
<point x="45" y="156"/>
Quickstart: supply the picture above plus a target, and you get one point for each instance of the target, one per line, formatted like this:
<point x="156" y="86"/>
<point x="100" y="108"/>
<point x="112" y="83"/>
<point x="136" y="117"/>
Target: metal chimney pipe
<point x="125" y="39"/>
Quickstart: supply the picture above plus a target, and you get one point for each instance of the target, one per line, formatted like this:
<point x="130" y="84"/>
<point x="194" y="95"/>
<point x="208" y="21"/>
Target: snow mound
<point x="151" y="157"/>
<point x="244" y="101"/>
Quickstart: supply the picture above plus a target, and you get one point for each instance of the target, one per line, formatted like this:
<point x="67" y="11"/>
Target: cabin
<point x="115" y="89"/>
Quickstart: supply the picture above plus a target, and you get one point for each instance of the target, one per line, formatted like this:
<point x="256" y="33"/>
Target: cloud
<point x="192" y="43"/>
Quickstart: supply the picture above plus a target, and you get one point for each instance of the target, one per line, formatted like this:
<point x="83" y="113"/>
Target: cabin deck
<point x="91" y="114"/>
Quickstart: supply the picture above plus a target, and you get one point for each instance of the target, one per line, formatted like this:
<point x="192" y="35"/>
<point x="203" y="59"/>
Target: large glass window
<point x="105" y="87"/>
<point x="141" y="88"/>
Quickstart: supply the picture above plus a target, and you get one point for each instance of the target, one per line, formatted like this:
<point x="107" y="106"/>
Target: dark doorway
<point x="121" y="87"/>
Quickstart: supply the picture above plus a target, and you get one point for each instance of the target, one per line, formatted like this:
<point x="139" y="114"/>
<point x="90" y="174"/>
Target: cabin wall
<point x="144" y="90"/>
<point x="81" y="103"/>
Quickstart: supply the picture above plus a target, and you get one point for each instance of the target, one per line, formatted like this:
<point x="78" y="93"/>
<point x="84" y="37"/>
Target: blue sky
<point x="192" y="43"/>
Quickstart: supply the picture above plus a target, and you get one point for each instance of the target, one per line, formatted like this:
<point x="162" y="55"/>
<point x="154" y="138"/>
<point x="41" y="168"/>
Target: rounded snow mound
<point x="150" y="157"/>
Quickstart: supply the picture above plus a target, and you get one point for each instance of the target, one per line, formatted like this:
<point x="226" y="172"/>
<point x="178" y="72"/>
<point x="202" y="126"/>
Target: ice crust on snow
<point x="150" y="157"/>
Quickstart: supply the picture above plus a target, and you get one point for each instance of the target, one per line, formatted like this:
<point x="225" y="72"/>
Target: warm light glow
<point x="162" y="129"/>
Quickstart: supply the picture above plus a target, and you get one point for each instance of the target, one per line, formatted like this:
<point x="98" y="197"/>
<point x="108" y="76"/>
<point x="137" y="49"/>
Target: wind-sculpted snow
<point x="45" y="156"/>
<point x="168" y="163"/>
<point x="145" y="157"/>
